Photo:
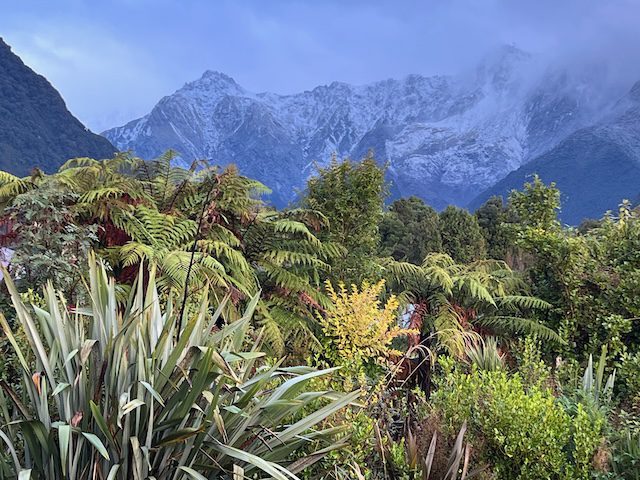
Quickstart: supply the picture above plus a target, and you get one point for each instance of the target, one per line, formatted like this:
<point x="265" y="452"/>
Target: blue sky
<point x="112" y="60"/>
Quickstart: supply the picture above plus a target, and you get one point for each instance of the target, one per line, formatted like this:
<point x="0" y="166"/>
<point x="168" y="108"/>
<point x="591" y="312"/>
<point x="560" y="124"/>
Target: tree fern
<point x="481" y="296"/>
<point x="148" y="213"/>
<point x="522" y="302"/>
<point x="12" y="186"/>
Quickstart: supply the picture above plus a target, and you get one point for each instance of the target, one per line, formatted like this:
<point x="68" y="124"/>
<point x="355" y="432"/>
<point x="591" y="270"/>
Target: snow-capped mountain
<point x="594" y="167"/>
<point x="444" y="138"/>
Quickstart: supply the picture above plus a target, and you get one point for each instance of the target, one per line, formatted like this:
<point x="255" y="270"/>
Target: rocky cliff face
<point x="444" y="138"/>
<point x="36" y="129"/>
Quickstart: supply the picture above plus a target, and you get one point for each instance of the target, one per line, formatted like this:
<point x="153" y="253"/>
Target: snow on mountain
<point x="444" y="138"/>
<point x="595" y="167"/>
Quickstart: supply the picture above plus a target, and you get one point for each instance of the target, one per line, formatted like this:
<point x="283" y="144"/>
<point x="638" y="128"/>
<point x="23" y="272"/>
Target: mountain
<point x="36" y="129"/>
<point x="444" y="138"/>
<point x="595" y="167"/>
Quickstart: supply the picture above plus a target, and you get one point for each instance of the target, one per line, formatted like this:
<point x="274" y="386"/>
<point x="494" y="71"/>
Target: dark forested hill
<point x="36" y="129"/>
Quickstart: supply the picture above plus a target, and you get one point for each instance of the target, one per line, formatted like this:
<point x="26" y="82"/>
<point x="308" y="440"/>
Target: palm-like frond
<point x="12" y="186"/>
<point x="484" y="294"/>
<point x="167" y="184"/>
<point x="522" y="302"/>
<point x="509" y="325"/>
<point x="449" y="329"/>
<point x="284" y="225"/>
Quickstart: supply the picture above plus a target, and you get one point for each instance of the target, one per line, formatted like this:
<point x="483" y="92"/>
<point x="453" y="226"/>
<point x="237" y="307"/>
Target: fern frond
<point x="79" y="162"/>
<point x="522" y="302"/>
<point x="516" y="325"/>
<point x="12" y="187"/>
<point x="474" y="290"/>
<point x="291" y="227"/>
<point x="289" y="258"/>
<point x="284" y="278"/>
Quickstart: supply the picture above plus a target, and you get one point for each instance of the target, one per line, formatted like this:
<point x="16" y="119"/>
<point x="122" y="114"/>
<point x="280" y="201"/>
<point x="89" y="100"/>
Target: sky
<point x="112" y="60"/>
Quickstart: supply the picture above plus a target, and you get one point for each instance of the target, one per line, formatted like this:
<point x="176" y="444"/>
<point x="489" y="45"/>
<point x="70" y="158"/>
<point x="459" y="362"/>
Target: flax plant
<point x="115" y="393"/>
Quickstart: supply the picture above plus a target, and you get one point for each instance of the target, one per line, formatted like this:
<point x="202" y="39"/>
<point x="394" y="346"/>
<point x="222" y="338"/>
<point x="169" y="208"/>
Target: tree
<point x="493" y="218"/>
<point x="452" y="299"/>
<point x="350" y="195"/>
<point x="461" y="235"/>
<point x="196" y="227"/>
<point x="210" y="224"/>
<point x="410" y="230"/>
<point x="453" y="304"/>
<point x="563" y="268"/>
<point x="537" y="205"/>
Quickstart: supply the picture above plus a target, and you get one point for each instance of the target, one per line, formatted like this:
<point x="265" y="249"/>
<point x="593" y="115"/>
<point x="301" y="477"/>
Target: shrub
<point x="357" y="329"/>
<point x="47" y="241"/>
<point x="629" y="368"/>
<point x="522" y="431"/>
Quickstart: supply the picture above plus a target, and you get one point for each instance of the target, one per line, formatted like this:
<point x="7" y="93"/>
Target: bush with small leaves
<point x="521" y="430"/>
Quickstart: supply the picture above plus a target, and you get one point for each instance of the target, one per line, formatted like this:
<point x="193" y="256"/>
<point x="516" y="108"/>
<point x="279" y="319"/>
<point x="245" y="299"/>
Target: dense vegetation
<point x="164" y="322"/>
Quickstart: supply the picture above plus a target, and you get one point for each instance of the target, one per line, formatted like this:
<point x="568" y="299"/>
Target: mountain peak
<point x="215" y="81"/>
<point x="500" y="64"/>
<point x="444" y="138"/>
<point x="215" y="75"/>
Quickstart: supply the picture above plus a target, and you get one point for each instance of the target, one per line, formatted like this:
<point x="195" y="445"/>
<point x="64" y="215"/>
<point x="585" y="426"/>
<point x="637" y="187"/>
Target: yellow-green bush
<point x="358" y="327"/>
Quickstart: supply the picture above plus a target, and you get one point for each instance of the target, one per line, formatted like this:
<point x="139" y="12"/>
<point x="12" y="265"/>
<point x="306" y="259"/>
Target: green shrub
<point x="524" y="430"/>
<point x="586" y="438"/>
<point x="629" y="374"/>
<point x="532" y="368"/>
<point x="519" y="429"/>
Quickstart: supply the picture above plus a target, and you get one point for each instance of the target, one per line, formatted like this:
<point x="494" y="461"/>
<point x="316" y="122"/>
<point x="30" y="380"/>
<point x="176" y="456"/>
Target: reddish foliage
<point x="112" y="236"/>
<point x="128" y="275"/>
<point x="403" y="368"/>
<point x="415" y="323"/>
<point x="307" y="300"/>
<point x="7" y="231"/>
<point x="236" y="295"/>
<point x="465" y="315"/>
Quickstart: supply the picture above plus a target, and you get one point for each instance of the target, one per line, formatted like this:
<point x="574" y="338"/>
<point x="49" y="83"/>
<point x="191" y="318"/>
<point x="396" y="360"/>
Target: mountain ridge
<point x="444" y="138"/>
